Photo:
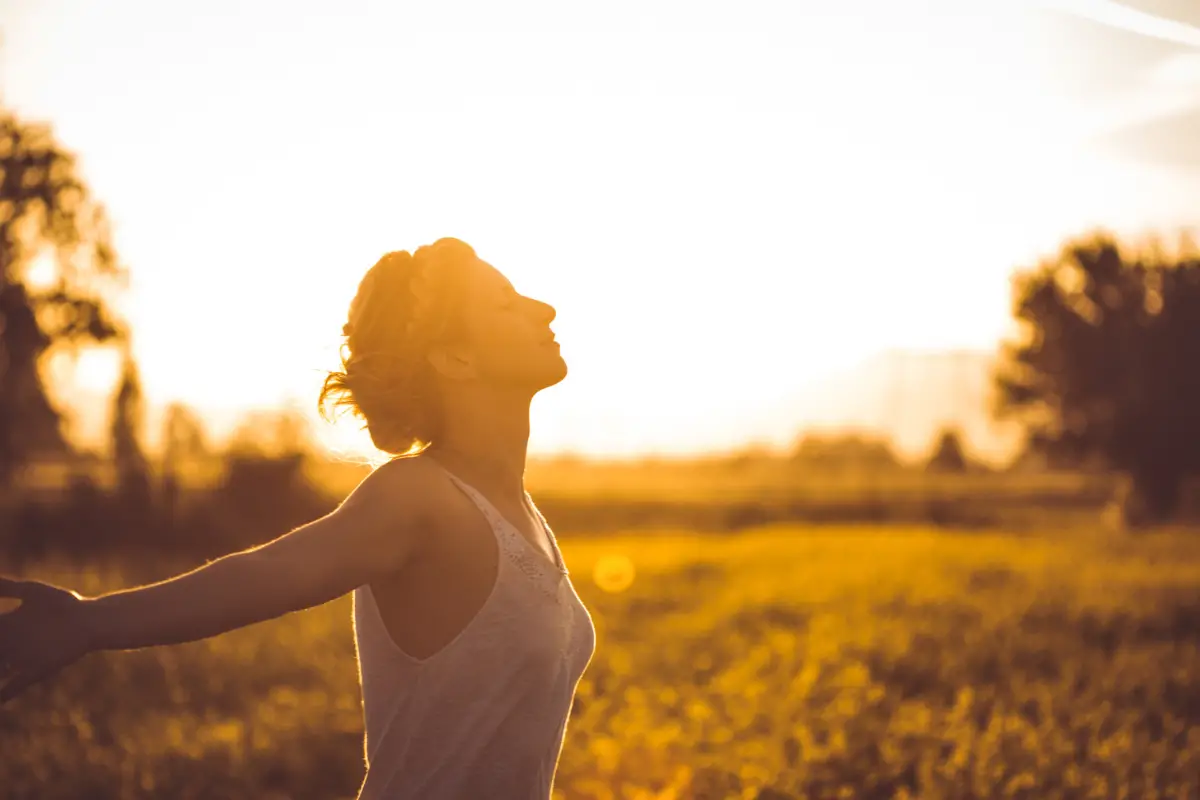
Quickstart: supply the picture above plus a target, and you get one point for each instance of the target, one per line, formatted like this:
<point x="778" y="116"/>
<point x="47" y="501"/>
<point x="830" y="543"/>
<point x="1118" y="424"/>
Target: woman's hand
<point x="45" y="633"/>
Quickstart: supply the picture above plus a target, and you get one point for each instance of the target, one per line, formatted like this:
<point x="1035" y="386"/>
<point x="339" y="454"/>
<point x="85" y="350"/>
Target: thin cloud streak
<point x="1120" y="16"/>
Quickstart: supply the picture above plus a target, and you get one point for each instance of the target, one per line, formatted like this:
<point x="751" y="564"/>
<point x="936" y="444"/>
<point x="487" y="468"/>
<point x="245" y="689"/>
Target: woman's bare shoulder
<point x="409" y="476"/>
<point x="393" y="512"/>
<point x="411" y="486"/>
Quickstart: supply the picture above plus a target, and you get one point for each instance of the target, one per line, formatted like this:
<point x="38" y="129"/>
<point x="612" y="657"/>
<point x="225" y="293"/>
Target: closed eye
<point x="510" y="299"/>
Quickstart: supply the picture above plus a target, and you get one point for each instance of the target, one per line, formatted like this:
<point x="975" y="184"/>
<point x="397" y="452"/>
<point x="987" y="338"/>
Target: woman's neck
<point x="487" y="442"/>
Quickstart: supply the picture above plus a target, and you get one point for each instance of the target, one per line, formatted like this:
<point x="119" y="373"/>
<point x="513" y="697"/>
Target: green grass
<point x="780" y="662"/>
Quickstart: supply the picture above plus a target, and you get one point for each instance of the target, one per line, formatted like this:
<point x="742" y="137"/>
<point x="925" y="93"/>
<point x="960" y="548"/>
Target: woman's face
<point x="506" y="337"/>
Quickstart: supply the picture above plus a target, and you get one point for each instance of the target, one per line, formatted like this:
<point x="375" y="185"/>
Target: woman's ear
<point x="452" y="363"/>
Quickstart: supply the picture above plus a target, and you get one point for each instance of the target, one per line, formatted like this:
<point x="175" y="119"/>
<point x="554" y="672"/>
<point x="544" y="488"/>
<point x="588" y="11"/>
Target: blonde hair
<point x="404" y="304"/>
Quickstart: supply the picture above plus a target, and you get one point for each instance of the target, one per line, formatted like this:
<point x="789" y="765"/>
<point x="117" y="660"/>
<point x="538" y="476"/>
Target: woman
<point x="470" y="636"/>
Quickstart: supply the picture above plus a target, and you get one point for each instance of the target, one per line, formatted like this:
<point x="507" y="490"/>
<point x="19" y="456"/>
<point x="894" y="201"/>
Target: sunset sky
<point x="725" y="202"/>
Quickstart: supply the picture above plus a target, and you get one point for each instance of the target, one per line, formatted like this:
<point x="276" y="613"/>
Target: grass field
<point x="725" y="480"/>
<point x="779" y="662"/>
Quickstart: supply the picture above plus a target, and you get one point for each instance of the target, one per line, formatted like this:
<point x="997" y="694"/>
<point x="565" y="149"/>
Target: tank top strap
<point x="523" y="553"/>
<point x="485" y="507"/>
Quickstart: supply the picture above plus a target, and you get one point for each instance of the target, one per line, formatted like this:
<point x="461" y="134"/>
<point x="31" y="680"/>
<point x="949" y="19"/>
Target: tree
<point x="948" y="454"/>
<point x="184" y="446"/>
<point x="1108" y="363"/>
<point x="128" y="421"/>
<point x="272" y="433"/>
<point x="46" y="211"/>
<point x="184" y="439"/>
<point x="849" y="451"/>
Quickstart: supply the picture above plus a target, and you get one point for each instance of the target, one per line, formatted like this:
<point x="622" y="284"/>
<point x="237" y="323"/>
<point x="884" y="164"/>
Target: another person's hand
<point x="45" y="633"/>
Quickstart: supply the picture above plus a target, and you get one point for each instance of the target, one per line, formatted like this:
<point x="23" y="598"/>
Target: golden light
<point x="41" y="272"/>
<point x="614" y="572"/>
<point x="710" y="189"/>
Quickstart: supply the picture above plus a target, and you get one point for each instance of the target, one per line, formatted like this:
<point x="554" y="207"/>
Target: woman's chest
<point x="481" y="593"/>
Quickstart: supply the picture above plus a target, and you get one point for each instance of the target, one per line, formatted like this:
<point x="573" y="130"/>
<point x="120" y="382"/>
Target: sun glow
<point x="722" y="209"/>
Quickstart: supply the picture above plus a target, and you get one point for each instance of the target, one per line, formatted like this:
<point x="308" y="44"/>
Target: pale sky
<point x="724" y="201"/>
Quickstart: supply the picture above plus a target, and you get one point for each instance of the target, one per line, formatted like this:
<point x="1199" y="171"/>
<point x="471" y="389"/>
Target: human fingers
<point x="30" y="591"/>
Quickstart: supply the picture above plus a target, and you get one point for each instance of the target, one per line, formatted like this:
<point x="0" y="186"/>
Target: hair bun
<point x="397" y="261"/>
<point x="400" y="307"/>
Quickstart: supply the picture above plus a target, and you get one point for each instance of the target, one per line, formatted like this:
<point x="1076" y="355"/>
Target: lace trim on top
<point x="524" y="554"/>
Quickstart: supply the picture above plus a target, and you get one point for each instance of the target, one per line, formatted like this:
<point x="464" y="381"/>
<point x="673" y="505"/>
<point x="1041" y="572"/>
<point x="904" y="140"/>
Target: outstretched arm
<point x="377" y="531"/>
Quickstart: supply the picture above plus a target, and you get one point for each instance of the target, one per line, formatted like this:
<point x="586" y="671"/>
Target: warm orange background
<point x="727" y="207"/>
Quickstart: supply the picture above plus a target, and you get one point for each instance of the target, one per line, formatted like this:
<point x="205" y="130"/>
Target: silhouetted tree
<point x="184" y="441"/>
<point x="129" y="458"/>
<point x="845" y="451"/>
<point x="272" y="433"/>
<point x="183" y="445"/>
<point x="948" y="454"/>
<point x="266" y="485"/>
<point x="45" y="211"/>
<point x="1108" y="365"/>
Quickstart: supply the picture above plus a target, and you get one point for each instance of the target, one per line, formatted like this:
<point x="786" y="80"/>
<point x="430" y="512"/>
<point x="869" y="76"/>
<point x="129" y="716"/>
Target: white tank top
<point x="485" y="716"/>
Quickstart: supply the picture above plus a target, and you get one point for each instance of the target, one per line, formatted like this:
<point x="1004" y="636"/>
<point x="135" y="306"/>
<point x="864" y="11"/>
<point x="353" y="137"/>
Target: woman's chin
<point x="558" y="370"/>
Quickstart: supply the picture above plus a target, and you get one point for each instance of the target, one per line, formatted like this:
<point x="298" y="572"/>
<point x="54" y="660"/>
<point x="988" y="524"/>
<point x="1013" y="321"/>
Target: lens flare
<point x="614" y="572"/>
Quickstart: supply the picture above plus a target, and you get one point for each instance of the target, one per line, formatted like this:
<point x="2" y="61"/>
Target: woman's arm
<point x="377" y="531"/>
<point x="380" y="528"/>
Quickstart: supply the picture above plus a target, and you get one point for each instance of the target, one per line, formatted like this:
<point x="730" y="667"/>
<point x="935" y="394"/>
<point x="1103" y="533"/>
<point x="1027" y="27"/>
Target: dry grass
<point x="783" y="662"/>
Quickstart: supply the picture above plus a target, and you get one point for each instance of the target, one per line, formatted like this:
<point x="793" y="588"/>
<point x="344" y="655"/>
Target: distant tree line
<point x="1105" y="372"/>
